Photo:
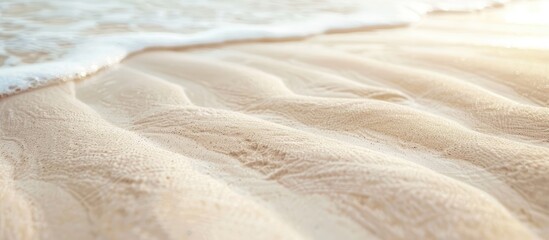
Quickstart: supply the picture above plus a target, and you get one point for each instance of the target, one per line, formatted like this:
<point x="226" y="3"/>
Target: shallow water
<point x="42" y="40"/>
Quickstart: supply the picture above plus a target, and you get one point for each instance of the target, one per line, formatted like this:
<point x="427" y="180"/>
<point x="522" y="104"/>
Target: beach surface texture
<point x="435" y="130"/>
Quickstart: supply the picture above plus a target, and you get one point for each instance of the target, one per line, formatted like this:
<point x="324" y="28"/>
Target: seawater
<point x="43" y="41"/>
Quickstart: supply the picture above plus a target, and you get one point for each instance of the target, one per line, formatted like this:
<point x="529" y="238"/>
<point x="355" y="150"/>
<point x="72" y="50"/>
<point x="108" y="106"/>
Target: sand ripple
<point x="392" y="134"/>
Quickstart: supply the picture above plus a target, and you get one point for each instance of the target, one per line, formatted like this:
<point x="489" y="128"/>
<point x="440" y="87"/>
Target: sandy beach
<point x="438" y="130"/>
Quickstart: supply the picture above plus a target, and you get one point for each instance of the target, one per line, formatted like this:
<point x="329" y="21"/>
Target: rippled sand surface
<point x="434" y="131"/>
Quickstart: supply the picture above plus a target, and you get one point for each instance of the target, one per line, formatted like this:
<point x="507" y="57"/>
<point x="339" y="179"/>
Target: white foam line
<point x="102" y="51"/>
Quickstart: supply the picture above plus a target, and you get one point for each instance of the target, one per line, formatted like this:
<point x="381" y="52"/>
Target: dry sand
<point x="435" y="131"/>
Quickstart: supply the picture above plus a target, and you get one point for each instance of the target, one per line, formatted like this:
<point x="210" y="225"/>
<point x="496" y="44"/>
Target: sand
<point x="439" y="130"/>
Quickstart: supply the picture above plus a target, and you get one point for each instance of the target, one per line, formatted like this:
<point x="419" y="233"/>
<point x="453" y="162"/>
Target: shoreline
<point x="82" y="70"/>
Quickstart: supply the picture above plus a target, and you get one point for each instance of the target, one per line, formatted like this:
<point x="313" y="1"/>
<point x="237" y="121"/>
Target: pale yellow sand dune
<point x="436" y="131"/>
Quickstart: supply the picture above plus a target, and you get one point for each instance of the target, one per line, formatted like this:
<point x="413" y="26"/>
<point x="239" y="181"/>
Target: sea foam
<point x="44" y="41"/>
